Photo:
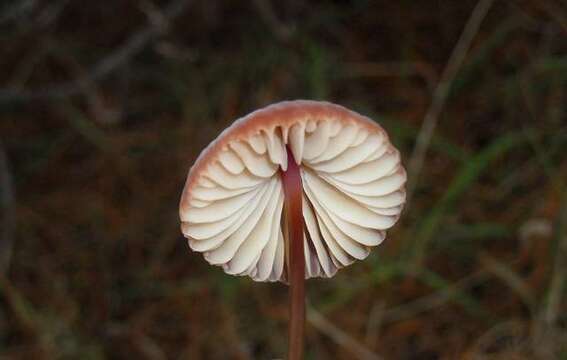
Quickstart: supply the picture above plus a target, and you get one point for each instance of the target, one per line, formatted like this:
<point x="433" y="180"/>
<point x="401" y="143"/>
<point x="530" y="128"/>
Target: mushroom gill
<point x="353" y="190"/>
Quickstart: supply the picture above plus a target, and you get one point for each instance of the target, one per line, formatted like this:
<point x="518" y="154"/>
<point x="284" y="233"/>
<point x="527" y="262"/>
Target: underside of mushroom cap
<point x="353" y="190"/>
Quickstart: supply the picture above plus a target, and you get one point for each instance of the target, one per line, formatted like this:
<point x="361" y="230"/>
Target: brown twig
<point x="441" y="93"/>
<point x="503" y="272"/>
<point x="552" y="307"/>
<point x="559" y="275"/>
<point x="104" y="67"/>
<point x="432" y="301"/>
<point x="374" y="323"/>
<point x="322" y="324"/>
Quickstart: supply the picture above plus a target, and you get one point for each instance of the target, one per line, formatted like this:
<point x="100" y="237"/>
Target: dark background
<point x="104" y="105"/>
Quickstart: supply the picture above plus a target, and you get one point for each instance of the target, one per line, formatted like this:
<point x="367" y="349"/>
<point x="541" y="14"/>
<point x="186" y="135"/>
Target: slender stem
<point x="296" y="264"/>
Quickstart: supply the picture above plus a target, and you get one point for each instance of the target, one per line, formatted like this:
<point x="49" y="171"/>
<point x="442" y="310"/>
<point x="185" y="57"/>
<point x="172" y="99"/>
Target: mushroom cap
<point x="353" y="182"/>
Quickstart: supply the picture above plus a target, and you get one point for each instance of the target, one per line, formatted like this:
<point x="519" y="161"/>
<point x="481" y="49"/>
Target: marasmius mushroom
<point x="296" y="190"/>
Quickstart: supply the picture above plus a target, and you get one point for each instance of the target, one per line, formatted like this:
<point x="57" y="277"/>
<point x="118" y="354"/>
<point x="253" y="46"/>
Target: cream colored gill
<point x="353" y="191"/>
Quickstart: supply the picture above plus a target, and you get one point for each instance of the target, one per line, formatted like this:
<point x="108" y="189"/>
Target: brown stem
<point x="296" y="265"/>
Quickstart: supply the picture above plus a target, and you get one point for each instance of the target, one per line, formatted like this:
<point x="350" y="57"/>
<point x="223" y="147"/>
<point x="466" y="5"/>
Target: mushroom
<point x="296" y="190"/>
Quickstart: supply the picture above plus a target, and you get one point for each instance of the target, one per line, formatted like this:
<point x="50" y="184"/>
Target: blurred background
<point x="105" y="105"/>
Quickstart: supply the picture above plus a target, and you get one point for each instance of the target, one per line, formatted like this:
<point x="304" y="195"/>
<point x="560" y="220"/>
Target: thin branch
<point x="512" y="330"/>
<point x="104" y="67"/>
<point x="343" y="339"/>
<point x="374" y="323"/>
<point x="551" y="308"/>
<point x="7" y="201"/>
<point x="441" y="93"/>
<point x="503" y="272"/>
<point x="432" y="301"/>
<point x="559" y="276"/>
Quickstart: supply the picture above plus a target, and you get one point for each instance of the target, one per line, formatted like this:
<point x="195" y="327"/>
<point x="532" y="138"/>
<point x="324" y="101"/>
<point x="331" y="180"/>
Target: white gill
<point x="353" y="184"/>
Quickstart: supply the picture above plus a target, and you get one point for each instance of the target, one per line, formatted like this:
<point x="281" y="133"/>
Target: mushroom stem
<point x="296" y="265"/>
